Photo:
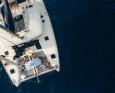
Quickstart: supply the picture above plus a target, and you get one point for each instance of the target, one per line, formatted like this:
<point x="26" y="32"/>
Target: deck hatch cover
<point x="53" y="56"/>
<point x="46" y="38"/>
<point x="12" y="71"/>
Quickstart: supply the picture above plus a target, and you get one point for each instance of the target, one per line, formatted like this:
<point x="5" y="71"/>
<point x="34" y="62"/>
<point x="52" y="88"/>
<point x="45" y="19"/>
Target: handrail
<point x="7" y="60"/>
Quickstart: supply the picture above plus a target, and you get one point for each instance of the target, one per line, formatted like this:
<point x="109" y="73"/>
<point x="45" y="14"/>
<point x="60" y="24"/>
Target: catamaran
<point x="28" y="46"/>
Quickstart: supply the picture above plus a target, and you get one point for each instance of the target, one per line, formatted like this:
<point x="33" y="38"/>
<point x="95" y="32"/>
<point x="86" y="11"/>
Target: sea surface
<point x="85" y="33"/>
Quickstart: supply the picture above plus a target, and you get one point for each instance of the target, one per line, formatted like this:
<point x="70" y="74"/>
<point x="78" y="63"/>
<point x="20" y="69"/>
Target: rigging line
<point x="36" y="75"/>
<point x="1" y="5"/>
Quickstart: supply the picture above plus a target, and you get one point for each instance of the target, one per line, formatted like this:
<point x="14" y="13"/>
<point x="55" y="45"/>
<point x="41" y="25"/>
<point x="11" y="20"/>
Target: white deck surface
<point x="37" y="29"/>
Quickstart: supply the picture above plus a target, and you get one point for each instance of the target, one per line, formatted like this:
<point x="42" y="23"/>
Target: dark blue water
<point x="85" y="33"/>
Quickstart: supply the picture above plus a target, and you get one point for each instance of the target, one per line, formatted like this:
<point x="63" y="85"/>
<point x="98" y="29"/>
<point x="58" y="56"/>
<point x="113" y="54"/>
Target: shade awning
<point x="33" y="63"/>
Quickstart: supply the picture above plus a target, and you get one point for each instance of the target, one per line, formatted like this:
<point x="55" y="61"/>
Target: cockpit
<point x="15" y="11"/>
<point x="22" y="18"/>
<point x="18" y="13"/>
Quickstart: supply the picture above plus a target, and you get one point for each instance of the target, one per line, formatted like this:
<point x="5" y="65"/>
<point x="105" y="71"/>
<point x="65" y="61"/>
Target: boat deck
<point x="44" y="56"/>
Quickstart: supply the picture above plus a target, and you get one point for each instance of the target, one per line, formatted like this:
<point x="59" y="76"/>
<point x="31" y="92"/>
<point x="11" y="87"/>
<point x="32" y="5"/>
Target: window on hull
<point x="20" y="1"/>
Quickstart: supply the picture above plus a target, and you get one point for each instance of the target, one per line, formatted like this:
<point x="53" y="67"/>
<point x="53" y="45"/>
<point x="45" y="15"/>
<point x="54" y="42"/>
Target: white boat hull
<point x="44" y="34"/>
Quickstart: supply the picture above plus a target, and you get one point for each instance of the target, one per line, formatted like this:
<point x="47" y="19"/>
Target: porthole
<point x="6" y="52"/>
<point x="43" y="21"/>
